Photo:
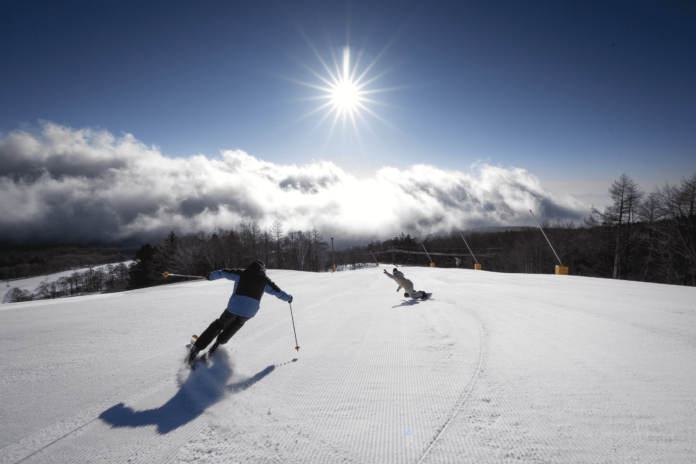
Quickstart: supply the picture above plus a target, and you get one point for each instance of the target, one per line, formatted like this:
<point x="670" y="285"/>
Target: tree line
<point x="106" y="279"/>
<point x="203" y="252"/>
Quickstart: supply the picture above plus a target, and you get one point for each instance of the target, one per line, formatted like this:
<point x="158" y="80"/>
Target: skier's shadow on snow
<point x="203" y="387"/>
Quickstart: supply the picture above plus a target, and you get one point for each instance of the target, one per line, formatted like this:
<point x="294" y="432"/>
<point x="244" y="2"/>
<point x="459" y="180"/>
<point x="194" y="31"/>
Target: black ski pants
<point x="223" y="328"/>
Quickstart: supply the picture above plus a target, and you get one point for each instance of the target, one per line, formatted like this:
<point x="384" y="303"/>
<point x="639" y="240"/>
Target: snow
<point x="494" y="368"/>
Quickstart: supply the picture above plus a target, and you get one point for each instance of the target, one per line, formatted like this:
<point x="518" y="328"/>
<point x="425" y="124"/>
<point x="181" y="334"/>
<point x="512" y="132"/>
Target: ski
<point x="189" y="361"/>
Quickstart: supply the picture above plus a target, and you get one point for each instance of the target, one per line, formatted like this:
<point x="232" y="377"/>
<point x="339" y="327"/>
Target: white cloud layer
<point x="76" y="185"/>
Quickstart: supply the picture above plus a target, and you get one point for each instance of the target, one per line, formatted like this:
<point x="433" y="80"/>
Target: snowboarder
<point x="250" y="284"/>
<point x="406" y="285"/>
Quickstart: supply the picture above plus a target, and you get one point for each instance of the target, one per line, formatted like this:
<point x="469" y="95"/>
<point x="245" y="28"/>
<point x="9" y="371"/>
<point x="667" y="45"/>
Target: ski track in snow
<point x="494" y="368"/>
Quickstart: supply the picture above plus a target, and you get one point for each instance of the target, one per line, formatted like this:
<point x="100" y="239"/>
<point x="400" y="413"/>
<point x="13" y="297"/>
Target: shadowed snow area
<point x="493" y="368"/>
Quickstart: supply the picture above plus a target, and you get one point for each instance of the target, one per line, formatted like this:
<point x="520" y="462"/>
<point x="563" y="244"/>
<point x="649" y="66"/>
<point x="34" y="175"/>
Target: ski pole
<point x="297" y="347"/>
<point x="167" y="274"/>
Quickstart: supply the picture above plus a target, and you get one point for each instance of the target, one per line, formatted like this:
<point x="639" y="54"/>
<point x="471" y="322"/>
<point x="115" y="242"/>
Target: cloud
<point x="76" y="185"/>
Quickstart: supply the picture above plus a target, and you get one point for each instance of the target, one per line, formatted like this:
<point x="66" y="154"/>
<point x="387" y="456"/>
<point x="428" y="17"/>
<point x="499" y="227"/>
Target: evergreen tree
<point x="139" y="272"/>
<point x="165" y="259"/>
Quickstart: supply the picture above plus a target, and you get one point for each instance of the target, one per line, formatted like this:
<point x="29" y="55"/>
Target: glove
<point x="385" y="271"/>
<point x="207" y="277"/>
<point x="290" y="299"/>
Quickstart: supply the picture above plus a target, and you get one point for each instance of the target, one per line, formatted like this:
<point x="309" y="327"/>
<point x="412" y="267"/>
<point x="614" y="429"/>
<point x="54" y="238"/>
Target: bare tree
<point x="619" y="216"/>
<point x="302" y="243"/>
<point x="277" y="232"/>
<point x="266" y="240"/>
<point x="678" y="230"/>
<point x="649" y="214"/>
<point x="17" y="295"/>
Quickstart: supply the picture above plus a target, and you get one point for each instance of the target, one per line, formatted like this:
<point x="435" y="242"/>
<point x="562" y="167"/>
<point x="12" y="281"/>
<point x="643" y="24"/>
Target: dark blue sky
<point x="576" y="92"/>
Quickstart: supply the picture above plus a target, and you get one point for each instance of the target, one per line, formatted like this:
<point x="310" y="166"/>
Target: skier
<point x="250" y="284"/>
<point x="406" y="285"/>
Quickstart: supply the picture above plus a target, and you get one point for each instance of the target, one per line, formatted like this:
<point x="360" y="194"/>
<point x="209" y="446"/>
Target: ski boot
<point x="213" y="348"/>
<point x="210" y="352"/>
<point x="192" y="356"/>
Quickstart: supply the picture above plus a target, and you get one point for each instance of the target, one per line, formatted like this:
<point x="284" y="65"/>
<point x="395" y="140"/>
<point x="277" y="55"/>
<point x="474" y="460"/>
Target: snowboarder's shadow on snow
<point x="203" y="387"/>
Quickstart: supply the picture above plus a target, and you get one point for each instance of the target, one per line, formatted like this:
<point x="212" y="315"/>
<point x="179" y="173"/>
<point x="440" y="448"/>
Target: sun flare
<point x="345" y="90"/>
<point x="345" y="94"/>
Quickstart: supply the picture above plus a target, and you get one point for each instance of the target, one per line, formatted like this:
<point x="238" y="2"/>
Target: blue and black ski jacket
<point x="250" y="285"/>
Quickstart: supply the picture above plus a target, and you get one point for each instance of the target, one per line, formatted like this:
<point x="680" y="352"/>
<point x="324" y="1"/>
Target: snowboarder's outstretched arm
<point x="229" y="274"/>
<point x="392" y="278"/>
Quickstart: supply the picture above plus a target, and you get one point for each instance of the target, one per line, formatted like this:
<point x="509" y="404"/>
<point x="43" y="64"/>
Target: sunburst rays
<point x="344" y="90"/>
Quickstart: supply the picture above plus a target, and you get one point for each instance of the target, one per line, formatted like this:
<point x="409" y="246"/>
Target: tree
<point x="320" y="248"/>
<point x="619" y="216"/>
<point x="139" y="273"/>
<point x="17" y="295"/>
<point x="277" y="232"/>
<point x="64" y="285"/>
<point x="267" y="240"/>
<point x="165" y="258"/>
<point x="649" y="214"/>
<point x="43" y="291"/>
<point x="677" y="231"/>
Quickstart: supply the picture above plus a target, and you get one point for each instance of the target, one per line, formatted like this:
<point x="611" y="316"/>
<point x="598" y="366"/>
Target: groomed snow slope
<point x="494" y="368"/>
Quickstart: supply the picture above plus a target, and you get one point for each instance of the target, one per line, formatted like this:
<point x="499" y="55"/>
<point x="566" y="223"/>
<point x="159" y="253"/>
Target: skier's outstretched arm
<point x="230" y="274"/>
<point x="272" y="289"/>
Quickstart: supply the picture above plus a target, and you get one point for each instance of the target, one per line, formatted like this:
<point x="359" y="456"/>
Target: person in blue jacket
<point x="250" y="285"/>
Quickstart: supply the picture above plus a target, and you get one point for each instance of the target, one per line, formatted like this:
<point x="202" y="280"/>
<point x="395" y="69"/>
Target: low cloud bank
<point x="81" y="185"/>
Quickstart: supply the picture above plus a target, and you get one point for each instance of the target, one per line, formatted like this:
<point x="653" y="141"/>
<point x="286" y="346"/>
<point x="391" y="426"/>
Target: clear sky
<point x="574" y="92"/>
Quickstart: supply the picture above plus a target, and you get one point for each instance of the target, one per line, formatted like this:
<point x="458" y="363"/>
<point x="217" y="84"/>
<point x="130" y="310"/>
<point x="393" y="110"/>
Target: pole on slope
<point x="168" y="274"/>
<point x="477" y="266"/>
<point x="432" y="264"/>
<point x="467" y="245"/>
<point x="297" y="347"/>
<point x="333" y="255"/>
<point x="376" y="260"/>
<point x="345" y="264"/>
<point x="547" y="239"/>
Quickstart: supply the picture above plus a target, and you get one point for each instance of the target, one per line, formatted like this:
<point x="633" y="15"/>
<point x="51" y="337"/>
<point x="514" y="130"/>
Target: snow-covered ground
<point x="494" y="368"/>
<point x="31" y="284"/>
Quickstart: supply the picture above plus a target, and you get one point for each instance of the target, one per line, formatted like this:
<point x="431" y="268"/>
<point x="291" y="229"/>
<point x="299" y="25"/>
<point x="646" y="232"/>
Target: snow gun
<point x="167" y="274"/>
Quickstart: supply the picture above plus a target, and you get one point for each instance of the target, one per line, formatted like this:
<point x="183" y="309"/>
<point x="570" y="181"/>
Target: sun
<point x="344" y="91"/>
<point x="345" y="97"/>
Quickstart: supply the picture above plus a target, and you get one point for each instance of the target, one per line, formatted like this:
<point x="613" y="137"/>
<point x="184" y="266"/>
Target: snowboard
<point x="426" y="296"/>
